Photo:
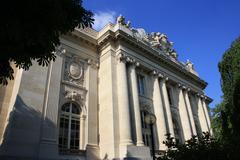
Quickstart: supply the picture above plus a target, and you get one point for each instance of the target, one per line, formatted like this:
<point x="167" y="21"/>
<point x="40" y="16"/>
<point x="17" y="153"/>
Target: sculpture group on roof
<point x="155" y="39"/>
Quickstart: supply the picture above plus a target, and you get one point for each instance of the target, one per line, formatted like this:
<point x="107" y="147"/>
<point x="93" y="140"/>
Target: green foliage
<point x="227" y="114"/>
<point x="199" y="148"/>
<point x="30" y="31"/>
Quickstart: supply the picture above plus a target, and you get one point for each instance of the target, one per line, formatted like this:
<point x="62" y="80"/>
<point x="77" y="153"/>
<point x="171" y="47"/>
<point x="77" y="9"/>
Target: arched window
<point x="69" y="129"/>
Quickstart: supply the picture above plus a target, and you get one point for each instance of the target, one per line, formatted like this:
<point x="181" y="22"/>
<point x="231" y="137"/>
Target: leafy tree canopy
<point x="30" y="30"/>
<point x="199" y="148"/>
<point x="227" y="114"/>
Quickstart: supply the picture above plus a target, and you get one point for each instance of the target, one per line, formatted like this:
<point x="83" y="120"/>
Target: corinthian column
<point x="190" y="113"/>
<point x="166" y="103"/>
<point x="135" y="101"/>
<point x="205" y="108"/>
<point x="186" y="125"/>
<point x="201" y="115"/>
<point x="159" y="112"/>
<point x="123" y="104"/>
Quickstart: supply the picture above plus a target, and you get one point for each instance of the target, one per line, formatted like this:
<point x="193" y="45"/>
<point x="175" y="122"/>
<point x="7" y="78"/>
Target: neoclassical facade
<point x="91" y="103"/>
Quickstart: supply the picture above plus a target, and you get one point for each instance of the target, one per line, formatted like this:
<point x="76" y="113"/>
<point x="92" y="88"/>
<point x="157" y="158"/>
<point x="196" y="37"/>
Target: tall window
<point x="69" y="127"/>
<point x="140" y="81"/>
<point x="146" y="132"/>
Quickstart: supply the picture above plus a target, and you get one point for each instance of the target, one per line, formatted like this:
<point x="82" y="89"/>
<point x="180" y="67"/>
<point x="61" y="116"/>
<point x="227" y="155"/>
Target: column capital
<point x="92" y="63"/>
<point x="121" y="57"/>
<point x="156" y="74"/>
<point x="199" y="95"/>
<point x="132" y="62"/>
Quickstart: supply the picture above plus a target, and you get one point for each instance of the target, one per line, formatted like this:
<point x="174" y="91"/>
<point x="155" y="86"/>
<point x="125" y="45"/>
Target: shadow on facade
<point x="22" y="134"/>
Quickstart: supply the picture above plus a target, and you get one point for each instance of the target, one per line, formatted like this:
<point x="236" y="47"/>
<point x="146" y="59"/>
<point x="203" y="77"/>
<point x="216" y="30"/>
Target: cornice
<point x="82" y="37"/>
<point x="123" y="36"/>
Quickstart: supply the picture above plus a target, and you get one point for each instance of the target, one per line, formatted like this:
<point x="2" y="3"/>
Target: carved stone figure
<point x="121" y="20"/>
<point x="156" y="39"/>
<point x="189" y="65"/>
<point x="128" y="25"/>
<point x="141" y="34"/>
<point x="174" y="54"/>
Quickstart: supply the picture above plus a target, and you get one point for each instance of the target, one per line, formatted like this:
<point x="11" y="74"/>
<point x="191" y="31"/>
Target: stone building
<point x="91" y="102"/>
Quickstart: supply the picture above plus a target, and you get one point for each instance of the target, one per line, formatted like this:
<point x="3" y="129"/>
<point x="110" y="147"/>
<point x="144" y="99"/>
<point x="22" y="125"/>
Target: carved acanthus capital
<point x="121" y="57"/>
<point x="156" y="74"/>
<point x="133" y="62"/>
<point x="93" y="64"/>
<point x="184" y="87"/>
<point x="59" y="50"/>
<point x="179" y="85"/>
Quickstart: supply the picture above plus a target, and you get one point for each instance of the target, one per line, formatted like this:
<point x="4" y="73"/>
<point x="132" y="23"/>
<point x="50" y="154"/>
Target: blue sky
<point x="201" y="29"/>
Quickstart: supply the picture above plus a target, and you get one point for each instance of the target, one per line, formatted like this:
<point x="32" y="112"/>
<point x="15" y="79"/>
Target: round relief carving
<point x="75" y="70"/>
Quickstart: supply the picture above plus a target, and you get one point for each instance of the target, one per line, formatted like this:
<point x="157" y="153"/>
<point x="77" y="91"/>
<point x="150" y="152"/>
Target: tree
<point x="30" y="30"/>
<point x="228" y="119"/>
<point x="199" y="148"/>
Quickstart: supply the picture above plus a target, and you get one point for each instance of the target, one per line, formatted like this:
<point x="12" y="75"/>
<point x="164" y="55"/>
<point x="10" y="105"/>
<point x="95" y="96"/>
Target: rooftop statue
<point x="155" y="39"/>
<point x="141" y="34"/>
<point x="121" y="20"/>
<point x="189" y="65"/>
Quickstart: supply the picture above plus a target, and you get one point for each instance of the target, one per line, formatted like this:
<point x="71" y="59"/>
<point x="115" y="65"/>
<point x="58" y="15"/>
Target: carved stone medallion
<point x="75" y="70"/>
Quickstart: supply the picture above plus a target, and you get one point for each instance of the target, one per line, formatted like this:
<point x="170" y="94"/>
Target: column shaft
<point x="159" y="112"/>
<point x="186" y="126"/>
<point x="123" y="105"/>
<point x="167" y="106"/>
<point x="201" y="116"/>
<point x="206" y="114"/>
<point x="136" y="106"/>
<point x="189" y="108"/>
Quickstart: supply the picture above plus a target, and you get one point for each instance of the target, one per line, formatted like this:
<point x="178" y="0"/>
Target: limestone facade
<point x="91" y="102"/>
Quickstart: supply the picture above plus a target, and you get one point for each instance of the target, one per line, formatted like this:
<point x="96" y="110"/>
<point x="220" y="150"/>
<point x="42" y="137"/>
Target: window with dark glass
<point x="69" y="127"/>
<point x="140" y="81"/>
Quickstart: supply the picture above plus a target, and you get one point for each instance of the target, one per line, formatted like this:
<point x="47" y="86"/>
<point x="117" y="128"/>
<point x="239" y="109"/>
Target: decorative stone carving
<point x="190" y="67"/>
<point x="141" y="34"/>
<point x="121" y="21"/>
<point x="59" y="50"/>
<point x="93" y="63"/>
<point x="128" y="25"/>
<point x="74" y="70"/>
<point x="155" y="39"/>
<point x="73" y="95"/>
